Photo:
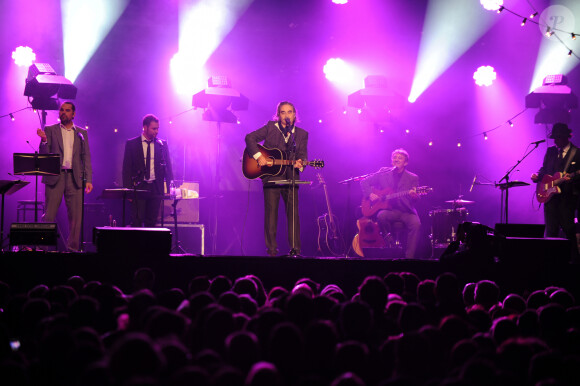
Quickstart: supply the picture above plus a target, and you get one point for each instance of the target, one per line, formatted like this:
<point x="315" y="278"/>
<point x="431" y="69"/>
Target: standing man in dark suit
<point x="564" y="157"/>
<point x="72" y="144"/>
<point x="146" y="165"/>
<point x="397" y="179"/>
<point x="280" y="133"/>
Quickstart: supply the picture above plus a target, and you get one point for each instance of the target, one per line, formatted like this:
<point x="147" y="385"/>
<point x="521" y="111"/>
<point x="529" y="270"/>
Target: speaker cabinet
<point x="33" y="234"/>
<point x="142" y="241"/>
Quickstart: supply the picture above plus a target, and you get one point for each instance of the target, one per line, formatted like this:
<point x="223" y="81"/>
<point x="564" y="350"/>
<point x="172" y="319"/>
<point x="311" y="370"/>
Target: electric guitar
<point x="548" y="187"/>
<point x="274" y="166"/>
<point x="330" y="242"/>
<point x="370" y="207"/>
<point x="368" y="236"/>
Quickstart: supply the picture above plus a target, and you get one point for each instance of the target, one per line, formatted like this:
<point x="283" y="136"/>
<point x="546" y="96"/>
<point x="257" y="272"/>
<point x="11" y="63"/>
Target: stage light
<point x="573" y="36"/>
<point x="485" y="136"/>
<point x="491" y="5"/>
<point x="340" y="1"/>
<point x="500" y="9"/>
<point x="448" y="32"/>
<point x="219" y="99"/>
<point x="46" y="87"/>
<point x="335" y="69"/>
<point x="430" y="143"/>
<point x="554" y="99"/>
<point x="84" y="26"/>
<point x="484" y="76"/>
<point x="11" y="117"/>
<point x="533" y="15"/>
<point x="23" y="56"/>
<point x="570" y="53"/>
<point x="524" y="21"/>
<point x="203" y="24"/>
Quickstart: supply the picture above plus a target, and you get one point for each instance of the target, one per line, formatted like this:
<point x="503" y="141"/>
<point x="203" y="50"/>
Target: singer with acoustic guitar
<point x="281" y="133"/>
<point x="557" y="188"/>
<point x="400" y="184"/>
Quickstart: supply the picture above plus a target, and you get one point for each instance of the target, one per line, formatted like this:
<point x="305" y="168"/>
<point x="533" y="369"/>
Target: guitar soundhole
<point x="369" y="228"/>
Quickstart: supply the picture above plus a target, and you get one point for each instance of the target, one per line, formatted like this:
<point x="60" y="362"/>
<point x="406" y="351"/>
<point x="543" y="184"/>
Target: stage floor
<point x="523" y="272"/>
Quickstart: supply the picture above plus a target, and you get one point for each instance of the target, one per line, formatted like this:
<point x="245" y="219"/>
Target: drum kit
<point x="444" y="222"/>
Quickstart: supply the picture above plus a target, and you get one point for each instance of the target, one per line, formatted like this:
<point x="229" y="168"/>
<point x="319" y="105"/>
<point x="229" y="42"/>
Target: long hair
<point x="276" y="116"/>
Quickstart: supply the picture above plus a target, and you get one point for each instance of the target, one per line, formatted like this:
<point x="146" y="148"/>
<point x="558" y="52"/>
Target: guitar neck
<point x="288" y="162"/>
<point x="327" y="201"/>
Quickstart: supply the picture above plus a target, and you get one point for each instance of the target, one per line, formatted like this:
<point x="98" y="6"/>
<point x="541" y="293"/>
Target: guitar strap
<point x="570" y="155"/>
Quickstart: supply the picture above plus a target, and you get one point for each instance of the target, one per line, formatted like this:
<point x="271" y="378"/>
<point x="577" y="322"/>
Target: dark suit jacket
<point x="273" y="138"/>
<point x="551" y="165"/>
<point x="54" y="145"/>
<point x="134" y="163"/>
<point x="384" y="179"/>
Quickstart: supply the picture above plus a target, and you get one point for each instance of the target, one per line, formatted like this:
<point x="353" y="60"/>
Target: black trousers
<point x="271" y="203"/>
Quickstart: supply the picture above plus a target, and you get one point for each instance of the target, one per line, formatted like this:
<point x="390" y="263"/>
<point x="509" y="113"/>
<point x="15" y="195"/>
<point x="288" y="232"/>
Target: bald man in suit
<point x="72" y="144"/>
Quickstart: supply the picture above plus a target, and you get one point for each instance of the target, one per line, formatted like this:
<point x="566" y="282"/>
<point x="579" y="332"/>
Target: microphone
<point x="538" y="142"/>
<point x="473" y="183"/>
<point x="32" y="147"/>
<point x="288" y="123"/>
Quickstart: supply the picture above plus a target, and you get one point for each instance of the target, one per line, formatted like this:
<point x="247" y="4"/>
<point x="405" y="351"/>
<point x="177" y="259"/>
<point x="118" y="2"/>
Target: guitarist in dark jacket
<point x="281" y="134"/>
<point x="393" y="180"/>
<point x="564" y="157"/>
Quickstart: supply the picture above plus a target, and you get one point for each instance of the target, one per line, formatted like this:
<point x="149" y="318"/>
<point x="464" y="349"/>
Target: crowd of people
<point x="395" y="330"/>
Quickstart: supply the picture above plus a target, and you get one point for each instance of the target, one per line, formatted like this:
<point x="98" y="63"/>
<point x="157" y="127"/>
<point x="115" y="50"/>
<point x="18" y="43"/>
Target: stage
<point x="532" y="266"/>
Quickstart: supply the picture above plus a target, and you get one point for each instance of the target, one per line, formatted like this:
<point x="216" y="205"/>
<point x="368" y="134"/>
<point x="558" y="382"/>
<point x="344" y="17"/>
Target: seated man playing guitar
<point x="557" y="190"/>
<point x="384" y="183"/>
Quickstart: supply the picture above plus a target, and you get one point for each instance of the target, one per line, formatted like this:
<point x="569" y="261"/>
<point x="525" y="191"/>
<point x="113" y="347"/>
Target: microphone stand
<point x="506" y="177"/>
<point x="84" y="185"/>
<point x="292" y="142"/>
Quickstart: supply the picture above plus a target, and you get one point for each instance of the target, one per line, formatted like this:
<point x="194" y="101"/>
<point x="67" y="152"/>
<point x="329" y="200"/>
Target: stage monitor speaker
<point x="520" y="230"/>
<point x="32" y="233"/>
<point x="133" y="241"/>
<point x="187" y="208"/>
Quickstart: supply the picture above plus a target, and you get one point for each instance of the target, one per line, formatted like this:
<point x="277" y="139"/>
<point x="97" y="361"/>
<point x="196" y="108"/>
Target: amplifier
<point x="33" y="233"/>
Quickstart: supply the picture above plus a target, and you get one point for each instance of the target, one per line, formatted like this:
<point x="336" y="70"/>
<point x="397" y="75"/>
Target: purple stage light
<point x="491" y="5"/>
<point x="23" y="56"/>
<point x="335" y="69"/>
<point x="484" y="76"/>
<point x="340" y="1"/>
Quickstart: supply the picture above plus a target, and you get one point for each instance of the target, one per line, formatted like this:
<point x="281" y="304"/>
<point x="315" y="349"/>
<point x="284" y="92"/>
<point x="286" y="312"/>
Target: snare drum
<point x="444" y="223"/>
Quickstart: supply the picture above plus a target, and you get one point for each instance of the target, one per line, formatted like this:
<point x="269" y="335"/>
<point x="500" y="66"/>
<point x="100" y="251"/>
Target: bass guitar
<point x="368" y="236"/>
<point x="330" y="242"/>
<point x="370" y="207"/>
<point x="274" y="166"/>
<point x="549" y="186"/>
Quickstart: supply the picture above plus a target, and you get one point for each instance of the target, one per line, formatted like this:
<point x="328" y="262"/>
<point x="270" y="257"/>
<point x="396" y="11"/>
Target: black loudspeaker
<point x="33" y="233"/>
<point x="533" y="251"/>
<point x="520" y="230"/>
<point x="142" y="241"/>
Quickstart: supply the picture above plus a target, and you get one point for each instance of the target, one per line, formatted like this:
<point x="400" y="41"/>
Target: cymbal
<point x="460" y="201"/>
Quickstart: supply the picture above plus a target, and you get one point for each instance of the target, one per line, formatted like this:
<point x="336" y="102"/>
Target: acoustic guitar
<point x="370" y="207"/>
<point x="275" y="165"/>
<point x="330" y="242"/>
<point x="368" y="236"/>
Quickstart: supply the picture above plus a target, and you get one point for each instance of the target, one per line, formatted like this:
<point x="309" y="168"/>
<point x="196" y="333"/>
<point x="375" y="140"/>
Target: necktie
<point x="561" y="154"/>
<point x="148" y="161"/>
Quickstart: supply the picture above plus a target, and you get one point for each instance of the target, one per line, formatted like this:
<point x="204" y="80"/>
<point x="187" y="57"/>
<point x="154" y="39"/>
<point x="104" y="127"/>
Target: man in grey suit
<point x="72" y="144"/>
<point x="282" y="134"/>
<point x="396" y="180"/>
